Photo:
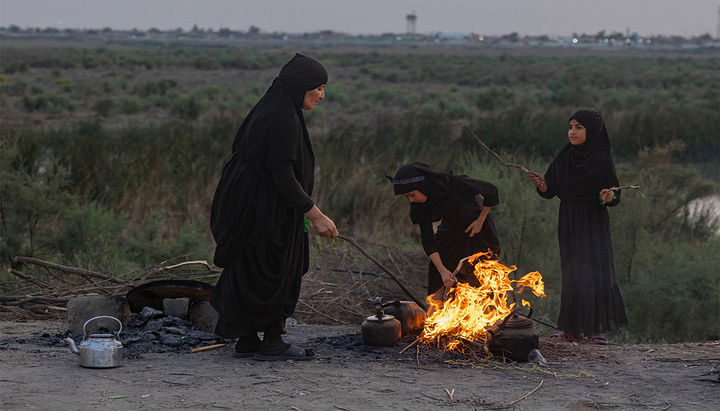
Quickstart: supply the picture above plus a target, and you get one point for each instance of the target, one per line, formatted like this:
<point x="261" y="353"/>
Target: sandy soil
<point x="39" y="372"/>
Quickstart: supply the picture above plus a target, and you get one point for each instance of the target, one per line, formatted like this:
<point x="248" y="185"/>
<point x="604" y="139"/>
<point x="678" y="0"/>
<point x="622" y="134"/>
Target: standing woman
<point x="462" y="206"/>
<point x="581" y="176"/>
<point x="261" y="213"/>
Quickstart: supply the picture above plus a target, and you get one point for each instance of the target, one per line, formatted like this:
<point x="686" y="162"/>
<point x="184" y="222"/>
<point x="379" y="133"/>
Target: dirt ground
<point x="37" y="371"/>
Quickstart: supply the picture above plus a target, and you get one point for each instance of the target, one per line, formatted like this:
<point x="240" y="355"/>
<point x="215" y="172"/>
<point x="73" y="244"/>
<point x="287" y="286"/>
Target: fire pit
<point x="477" y="310"/>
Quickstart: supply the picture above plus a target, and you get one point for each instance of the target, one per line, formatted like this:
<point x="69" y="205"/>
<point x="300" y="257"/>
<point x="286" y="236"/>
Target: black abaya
<point x="258" y="211"/>
<point x="590" y="300"/>
<point x="456" y="201"/>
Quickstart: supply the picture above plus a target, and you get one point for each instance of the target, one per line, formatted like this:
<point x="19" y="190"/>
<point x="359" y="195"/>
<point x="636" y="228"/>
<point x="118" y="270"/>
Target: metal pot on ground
<point x="98" y="350"/>
<point x="410" y="315"/>
<point x="514" y="338"/>
<point x="381" y="329"/>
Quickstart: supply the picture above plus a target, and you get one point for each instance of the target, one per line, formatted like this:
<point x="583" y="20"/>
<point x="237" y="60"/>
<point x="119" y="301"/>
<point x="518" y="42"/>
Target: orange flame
<point x="469" y="311"/>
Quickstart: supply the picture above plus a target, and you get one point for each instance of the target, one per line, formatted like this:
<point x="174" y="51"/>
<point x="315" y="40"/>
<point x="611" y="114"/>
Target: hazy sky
<point x="490" y="17"/>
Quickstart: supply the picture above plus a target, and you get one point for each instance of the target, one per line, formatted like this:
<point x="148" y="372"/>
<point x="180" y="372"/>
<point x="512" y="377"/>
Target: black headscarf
<point x="433" y="185"/>
<point x="298" y="76"/>
<point x="581" y="171"/>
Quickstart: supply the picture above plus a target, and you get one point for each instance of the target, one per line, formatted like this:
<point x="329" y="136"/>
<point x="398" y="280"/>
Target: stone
<point x="85" y="307"/>
<point x="203" y="316"/>
<point x="176" y="307"/>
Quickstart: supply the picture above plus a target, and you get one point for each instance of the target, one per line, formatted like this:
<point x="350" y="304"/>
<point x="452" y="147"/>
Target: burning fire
<point x="469" y="311"/>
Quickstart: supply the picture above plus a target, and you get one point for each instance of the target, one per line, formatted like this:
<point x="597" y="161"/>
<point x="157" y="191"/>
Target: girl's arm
<point x="476" y="225"/>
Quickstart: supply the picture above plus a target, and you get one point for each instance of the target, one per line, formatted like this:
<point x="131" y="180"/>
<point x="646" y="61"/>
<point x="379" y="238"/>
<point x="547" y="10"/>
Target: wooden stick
<point x="528" y="394"/>
<point x="450" y="394"/>
<point x="419" y="302"/>
<point x="496" y="155"/>
<point x="636" y="188"/>
<point x="207" y="347"/>
<point x="71" y="270"/>
<point x="411" y="344"/>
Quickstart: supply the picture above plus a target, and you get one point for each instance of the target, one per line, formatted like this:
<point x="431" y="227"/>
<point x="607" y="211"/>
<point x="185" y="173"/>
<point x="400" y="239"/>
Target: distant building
<point x="411" y="19"/>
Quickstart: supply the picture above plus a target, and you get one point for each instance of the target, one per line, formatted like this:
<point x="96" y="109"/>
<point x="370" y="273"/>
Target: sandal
<point x="292" y="353"/>
<point x="565" y="337"/>
<point x="598" y="339"/>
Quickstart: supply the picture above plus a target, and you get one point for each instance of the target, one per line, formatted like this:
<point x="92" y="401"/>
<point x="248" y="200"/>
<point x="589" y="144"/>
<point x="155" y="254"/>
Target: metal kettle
<point x="98" y="350"/>
<point x="381" y="329"/>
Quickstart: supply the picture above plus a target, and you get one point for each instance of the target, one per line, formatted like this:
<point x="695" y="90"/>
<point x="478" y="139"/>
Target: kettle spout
<point x="73" y="347"/>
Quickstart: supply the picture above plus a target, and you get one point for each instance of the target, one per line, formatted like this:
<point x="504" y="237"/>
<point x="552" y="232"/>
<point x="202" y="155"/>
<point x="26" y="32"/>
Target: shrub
<point x="91" y="237"/>
<point x="46" y="103"/>
<point x="129" y="105"/>
<point x="16" y="88"/>
<point x="103" y="106"/>
<point x="186" y="108"/>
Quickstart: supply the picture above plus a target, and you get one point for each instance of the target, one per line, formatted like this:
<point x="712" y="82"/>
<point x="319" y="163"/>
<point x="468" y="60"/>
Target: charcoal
<point x="175" y="322"/>
<point x="174" y="330"/>
<point x="203" y="336"/>
<point x="144" y="316"/>
<point x="154" y="325"/>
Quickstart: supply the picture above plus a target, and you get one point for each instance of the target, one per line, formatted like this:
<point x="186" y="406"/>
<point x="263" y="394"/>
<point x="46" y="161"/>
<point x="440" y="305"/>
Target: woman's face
<point x="576" y="133"/>
<point x="313" y="97"/>
<point x="415" y="196"/>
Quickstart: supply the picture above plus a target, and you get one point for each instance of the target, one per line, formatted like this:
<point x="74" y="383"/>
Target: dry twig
<point x="496" y="155"/>
<point x="69" y="270"/>
<point x="636" y="188"/>
<point x="207" y="347"/>
<point x="410" y="345"/>
<point x="528" y="394"/>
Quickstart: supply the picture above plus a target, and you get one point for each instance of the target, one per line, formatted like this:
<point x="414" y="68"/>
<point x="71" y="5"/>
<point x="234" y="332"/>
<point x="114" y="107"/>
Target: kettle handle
<point x="101" y="316"/>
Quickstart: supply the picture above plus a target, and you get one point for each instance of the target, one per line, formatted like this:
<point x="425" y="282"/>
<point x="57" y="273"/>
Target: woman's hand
<point x="477" y="225"/>
<point x="538" y="180"/>
<point x="446" y="275"/>
<point x="324" y="226"/>
<point x="607" y="195"/>
<point x="447" y="278"/>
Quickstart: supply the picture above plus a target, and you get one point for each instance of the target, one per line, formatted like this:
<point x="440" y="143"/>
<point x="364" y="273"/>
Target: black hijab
<point x="285" y="96"/>
<point x="433" y="185"/>
<point x="581" y="171"/>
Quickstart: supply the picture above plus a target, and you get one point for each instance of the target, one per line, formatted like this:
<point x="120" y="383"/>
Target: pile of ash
<point x="151" y="331"/>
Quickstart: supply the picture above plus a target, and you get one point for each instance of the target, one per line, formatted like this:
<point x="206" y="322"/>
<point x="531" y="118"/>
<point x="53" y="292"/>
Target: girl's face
<point x="576" y="133"/>
<point x="415" y="197"/>
<point x="313" y="97"/>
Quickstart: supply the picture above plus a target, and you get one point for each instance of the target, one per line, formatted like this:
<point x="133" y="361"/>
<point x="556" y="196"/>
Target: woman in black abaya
<point x="261" y="213"/>
<point x="462" y="204"/>
<point x="581" y="176"/>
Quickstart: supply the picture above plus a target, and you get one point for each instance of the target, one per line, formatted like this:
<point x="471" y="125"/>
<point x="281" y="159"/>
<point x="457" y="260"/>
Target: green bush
<point x="47" y="103"/>
<point x="35" y="195"/>
<point x="129" y="105"/>
<point x="150" y="88"/>
<point x="16" y="88"/>
<point x="91" y="237"/>
<point x="103" y="106"/>
<point x="186" y="108"/>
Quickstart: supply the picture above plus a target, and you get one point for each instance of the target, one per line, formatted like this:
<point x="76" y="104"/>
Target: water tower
<point x="410" y="19"/>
